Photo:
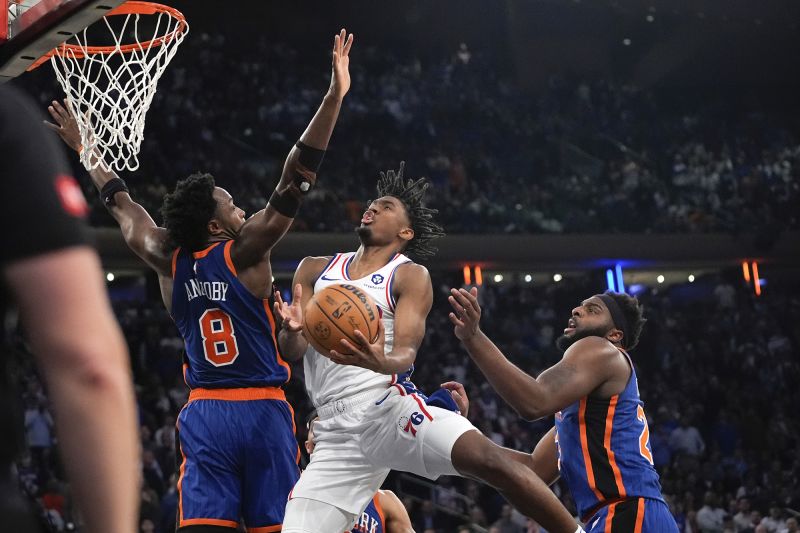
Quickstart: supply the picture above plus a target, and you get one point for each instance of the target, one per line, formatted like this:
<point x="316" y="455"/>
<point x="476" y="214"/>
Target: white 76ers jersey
<point x="327" y="381"/>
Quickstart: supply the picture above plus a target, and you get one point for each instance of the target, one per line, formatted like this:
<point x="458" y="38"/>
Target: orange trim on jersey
<point x="205" y="252"/>
<point x="208" y="522"/>
<point x="241" y="394"/>
<point x="180" y="480"/>
<point x="612" y="407"/>
<point x="265" y="529"/>
<point x="639" y="516"/>
<point x="378" y="508"/>
<point x="610" y="517"/>
<point x="175" y="260"/>
<point x="228" y="261"/>
<point x="294" y="431"/>
<point x="587" y="460"/>
<point x="271" y="320"/>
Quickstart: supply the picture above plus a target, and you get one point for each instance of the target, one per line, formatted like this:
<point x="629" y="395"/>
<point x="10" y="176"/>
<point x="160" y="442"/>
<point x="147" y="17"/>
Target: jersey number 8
<point x="219" y="340"/>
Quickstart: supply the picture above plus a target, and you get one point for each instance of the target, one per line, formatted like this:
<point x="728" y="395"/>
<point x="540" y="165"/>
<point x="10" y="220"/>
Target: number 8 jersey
<point x="229" y="333"/>
<point x="604" y="450"/>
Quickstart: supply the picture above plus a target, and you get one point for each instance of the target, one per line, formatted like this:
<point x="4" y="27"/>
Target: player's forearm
<point x="399" y="360"/>
<point x="519" y="390"/>
<point x="292" y="345"/>
<point x="319" y="130"/>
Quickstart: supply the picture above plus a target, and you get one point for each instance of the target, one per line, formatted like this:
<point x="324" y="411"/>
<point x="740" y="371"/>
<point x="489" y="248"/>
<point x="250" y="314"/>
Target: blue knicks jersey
<point x="229" y="333"/>
<point x="604" y="449"/>
<point x="371" y="519"/>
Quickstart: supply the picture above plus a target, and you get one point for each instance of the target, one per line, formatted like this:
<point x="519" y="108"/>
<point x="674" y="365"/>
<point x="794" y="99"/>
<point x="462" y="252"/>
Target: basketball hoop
<point x="110" y="88"/>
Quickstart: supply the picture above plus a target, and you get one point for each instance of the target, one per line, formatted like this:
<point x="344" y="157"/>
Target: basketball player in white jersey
<point x="371" y="417"/>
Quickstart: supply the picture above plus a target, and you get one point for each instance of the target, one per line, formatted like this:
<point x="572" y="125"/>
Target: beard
<point x="364" y="234"/>
<point x="565" y="341"/>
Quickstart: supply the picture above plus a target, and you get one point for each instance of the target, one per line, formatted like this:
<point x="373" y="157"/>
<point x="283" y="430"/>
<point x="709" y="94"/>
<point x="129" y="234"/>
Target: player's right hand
<point x="466" y="313"/>
<point x="290" y="315"/>
<point x="340" y="77"/>
<point x="65" y="124"/>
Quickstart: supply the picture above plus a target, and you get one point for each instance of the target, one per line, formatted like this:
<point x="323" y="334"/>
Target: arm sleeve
<point x="42" y="208"/>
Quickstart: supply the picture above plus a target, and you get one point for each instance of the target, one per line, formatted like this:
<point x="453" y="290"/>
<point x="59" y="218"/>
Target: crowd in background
<point x="718" y="373"/>
<point x="502" y="158"/>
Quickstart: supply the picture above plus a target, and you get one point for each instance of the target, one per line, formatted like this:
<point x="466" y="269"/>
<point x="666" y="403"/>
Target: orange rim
<point x="133" y="7"/>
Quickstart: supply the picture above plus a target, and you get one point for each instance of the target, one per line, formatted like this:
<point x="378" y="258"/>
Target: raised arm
<point x="264" y="229"/>
<point x="414" y="296"/>
<point x="394" y="512"/>
<point x="141" y="233"/>
<point x="586" y="365"/>
<point x="291" y="341"/>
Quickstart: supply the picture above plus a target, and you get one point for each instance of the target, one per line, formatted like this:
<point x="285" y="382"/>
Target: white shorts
<point x="359" y="441"/>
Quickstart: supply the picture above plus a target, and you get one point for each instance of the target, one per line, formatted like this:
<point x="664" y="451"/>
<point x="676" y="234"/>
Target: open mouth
<point x="571" y="326"/>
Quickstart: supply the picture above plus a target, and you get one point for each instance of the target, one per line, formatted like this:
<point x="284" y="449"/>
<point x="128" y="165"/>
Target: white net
<point x="111" y="87"/>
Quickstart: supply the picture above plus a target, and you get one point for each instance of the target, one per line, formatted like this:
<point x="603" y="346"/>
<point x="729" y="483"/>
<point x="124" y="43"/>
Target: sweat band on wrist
<point x="111" y="188"/>
<point x="286" y="204"/>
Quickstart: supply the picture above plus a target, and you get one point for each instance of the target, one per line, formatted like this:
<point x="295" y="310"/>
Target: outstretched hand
<point x="366" y="354"/>
<point x="290" y="315"/>
<point x="459" y="395"/>
<point x="466" y="313"/>
<point x="65" y="124"/>
<point x="340" y="77"/>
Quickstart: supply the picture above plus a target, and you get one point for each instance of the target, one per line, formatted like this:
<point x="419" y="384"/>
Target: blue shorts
<point x="239" y="463"/>
<point x="634" y="515"/>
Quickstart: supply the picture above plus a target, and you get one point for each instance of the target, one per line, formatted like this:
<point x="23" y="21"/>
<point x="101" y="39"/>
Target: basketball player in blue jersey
<point x="371" y="417"/>
<point x="236" y="433"/>
<point x="600" y="444"/>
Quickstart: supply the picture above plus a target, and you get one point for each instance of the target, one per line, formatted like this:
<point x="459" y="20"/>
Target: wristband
<point x="286" y="204"/>
<point x="111" y="188"/>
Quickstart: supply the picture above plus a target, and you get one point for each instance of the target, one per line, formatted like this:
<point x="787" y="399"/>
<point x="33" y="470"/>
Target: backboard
<point x="31" y="28"/>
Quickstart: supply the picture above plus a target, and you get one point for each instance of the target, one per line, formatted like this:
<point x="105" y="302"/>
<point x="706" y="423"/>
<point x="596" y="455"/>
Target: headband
<point x="617" y="316"/>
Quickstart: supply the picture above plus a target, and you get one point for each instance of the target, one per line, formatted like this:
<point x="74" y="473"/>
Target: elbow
<point x="530" y="413"/>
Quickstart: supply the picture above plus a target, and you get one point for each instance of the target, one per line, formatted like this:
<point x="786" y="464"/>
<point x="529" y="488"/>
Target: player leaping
<point x="371" y="418"/>
<point x="236" y="432"/>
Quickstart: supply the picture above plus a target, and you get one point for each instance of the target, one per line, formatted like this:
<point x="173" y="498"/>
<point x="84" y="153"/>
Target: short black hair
<point x="412" y="194"/>
<point x="633" y="311"/>
<point x="187" y="210"/>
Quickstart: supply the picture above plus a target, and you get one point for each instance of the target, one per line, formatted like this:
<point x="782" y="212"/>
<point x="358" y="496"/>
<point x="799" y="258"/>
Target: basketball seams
<point x="356" y="303"/>
<point x="354" y="341"/>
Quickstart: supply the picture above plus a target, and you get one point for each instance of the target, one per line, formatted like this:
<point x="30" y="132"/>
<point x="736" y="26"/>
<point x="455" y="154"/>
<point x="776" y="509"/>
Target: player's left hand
<point x="65" y="124"/>
<point x="366" y="355"/>
<point x="340" y="77"/>
<point x="459" y="395"/>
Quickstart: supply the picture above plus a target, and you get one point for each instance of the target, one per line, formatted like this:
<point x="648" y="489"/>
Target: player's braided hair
<point x="633" y="311"/>
<point x="187" y="210"/>
<point x="412" y="194"/>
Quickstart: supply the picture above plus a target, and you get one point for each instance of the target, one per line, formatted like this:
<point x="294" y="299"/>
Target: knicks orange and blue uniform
<point x="236" y="433"/>
<point x="371" y="519"/>
<point x="605" y="458"/>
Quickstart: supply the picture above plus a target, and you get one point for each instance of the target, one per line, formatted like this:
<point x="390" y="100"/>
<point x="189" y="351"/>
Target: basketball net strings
<point x="111" y="93"/>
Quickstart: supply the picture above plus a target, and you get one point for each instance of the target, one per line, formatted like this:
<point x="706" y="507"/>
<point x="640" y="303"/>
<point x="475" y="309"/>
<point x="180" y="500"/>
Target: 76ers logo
<point x="407" y="424"/>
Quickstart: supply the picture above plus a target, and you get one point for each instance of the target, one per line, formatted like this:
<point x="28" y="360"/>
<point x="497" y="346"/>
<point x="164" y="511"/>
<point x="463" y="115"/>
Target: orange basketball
<point x="335" y="313"/>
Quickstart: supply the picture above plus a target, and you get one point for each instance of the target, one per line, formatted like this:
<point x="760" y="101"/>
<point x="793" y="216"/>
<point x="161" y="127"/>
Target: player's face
<point x="590" y="319"/>
<point x="229" y="216"/>
<point x="384" y="221"/>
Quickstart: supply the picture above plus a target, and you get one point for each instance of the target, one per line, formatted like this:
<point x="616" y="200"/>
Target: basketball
<point x="335" y="313"/>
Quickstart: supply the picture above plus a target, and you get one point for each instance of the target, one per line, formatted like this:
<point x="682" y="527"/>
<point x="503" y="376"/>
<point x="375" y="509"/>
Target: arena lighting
<point x="620" y="281"/>
<point x="691" y="278"/>
<point x="498" y="278"/>
<point x="756" y="280"/>
<point x="528" y="278"/>
<point x="110" y="276"/>
<point x="626" y="41"/>
<point x="746" y="271"/>
<point x="557" y="277"/>
<point x="660" y="278"/>
<point x="467" y="275"/>
<point x="478" y="276"/>
<point x="610" y="280"/>
<point x="649" y="18"/>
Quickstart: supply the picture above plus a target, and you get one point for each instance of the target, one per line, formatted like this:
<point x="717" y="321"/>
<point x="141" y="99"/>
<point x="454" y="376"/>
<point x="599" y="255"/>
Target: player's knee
<point x="481" y="458"/>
